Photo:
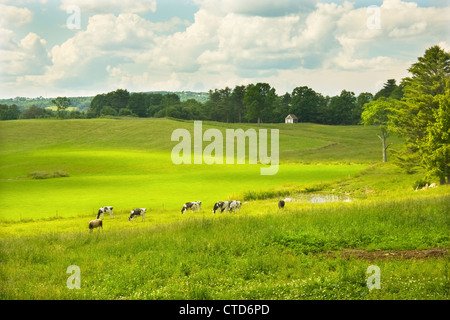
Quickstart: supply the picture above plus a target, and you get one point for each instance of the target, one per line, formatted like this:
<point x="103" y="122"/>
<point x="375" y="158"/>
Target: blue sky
<point x="197" y="45"/>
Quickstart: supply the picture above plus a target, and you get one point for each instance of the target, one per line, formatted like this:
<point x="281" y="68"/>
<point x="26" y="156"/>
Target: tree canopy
<point x="422" y="115"/>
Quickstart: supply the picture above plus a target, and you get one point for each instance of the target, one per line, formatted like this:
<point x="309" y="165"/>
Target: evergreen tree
<point x="422" y="114"/>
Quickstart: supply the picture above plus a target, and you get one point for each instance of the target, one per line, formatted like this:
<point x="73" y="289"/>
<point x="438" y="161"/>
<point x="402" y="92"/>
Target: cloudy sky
<point x="84" y="47"/>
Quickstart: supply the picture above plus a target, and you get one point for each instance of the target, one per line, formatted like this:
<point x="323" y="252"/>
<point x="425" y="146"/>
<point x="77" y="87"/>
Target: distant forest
<point x="257" y="103"/>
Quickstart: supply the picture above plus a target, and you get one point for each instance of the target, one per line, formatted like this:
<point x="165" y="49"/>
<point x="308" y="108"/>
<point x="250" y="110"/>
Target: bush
<point x="126" y="112"/>
<point x="419" y="184"/>
<point x="108" y="111"/>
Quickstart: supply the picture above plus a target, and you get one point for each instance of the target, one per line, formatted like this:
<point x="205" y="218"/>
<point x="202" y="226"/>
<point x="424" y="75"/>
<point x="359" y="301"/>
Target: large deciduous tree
<point x="305" y="104"/>
<point x="259" y="100"/>
<point x="62" y="103"/>
<point x="377" y="113"/>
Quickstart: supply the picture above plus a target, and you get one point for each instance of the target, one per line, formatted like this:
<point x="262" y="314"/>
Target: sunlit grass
<point x="261" y="252"/>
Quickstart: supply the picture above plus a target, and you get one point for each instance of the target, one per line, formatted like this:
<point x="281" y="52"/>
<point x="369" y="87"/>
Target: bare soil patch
<point x="394" y="255"/>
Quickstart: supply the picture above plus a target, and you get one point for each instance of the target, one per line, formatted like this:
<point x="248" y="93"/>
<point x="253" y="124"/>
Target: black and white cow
<point x="195" y="205"/>
<point x="102" y="210"/>
<point x="222" y="205"/>
<point x="136" y="213"/>
<point x="234" y="205"/>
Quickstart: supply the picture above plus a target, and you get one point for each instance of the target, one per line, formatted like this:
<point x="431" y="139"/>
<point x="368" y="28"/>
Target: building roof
<point x="292" y="116"/>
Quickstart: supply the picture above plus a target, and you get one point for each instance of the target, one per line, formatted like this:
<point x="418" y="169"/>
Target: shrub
<point x="126" y="112"/>
<point x="419" y="184"/>
<point x="108" y="111"/>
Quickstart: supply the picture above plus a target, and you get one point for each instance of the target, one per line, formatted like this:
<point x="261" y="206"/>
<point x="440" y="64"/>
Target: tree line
<point x="254" y="103"/>
<point x="417" y="109"/>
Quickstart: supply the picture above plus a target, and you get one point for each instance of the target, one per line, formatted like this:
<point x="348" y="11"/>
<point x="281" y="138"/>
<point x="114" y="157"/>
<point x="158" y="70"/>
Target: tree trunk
<point x="442" y="180"/>
<point x="385" y="146"/>
<point x="259" y="121"/>
<point x="384" y="151"/>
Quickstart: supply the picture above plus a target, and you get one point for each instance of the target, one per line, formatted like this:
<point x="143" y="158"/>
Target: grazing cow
<point x="234" y="205"/>
<point x="137" y="212"/>
<point x="281" y="204"/>
<point x="102" y="210"/>
<point x="97" y="223"/>
<point x="222" y="205"/>
<point x="195" y="205"/>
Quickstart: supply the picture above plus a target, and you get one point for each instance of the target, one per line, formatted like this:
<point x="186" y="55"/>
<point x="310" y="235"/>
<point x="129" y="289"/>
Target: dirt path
<point x="382" y="255"/>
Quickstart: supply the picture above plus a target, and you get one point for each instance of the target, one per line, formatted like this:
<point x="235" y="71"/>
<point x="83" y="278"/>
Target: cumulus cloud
<point x="12" y="16"/>
<point x="230" y="42"/>
<point x="111" y="6"/>
<point x="108" y="39"/>
<point x="29" y="56"/>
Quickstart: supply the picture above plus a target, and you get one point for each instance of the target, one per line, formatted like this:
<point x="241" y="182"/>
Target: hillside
<point x="347" y="212"/>
<point x="298" y="143"/>
<point x="128" y="162"/>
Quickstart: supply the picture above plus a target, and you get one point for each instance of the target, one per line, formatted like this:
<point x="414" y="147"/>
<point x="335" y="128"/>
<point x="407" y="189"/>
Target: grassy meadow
<point x="55" y="174"/>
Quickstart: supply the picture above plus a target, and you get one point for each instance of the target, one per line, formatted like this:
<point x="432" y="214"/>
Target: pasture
<point x="56" y="174"/>
<point x="127" y="163"/>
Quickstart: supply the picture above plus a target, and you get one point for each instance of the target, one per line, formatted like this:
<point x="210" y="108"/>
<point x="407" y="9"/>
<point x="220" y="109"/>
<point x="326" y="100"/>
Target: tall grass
<point x="258" y="253"/>
<point x="275" y="255"/>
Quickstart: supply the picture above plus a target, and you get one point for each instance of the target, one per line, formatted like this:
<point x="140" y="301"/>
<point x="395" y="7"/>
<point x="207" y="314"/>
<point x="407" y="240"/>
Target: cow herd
<point x="227" y="206"/>
<point x="194" y="206"/>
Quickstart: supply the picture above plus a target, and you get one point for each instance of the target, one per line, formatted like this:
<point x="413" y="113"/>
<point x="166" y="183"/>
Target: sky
<point x="74" y="48"/>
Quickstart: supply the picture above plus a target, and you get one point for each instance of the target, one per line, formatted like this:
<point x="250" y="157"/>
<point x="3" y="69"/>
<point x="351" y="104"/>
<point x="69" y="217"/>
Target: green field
<point x="306" y="251"/>
<point x="128" y="163"/>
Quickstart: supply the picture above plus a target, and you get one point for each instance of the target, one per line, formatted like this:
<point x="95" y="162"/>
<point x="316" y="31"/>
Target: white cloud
<point x="14" y="17"/>
<point x="111" y="6"/>
<point x="444" y="45"/>
<point x="7" y="40"/>
<point x="412" y="30"/>
<point x="23" y="2"/>
<point x="228" y="43"/>
<point x="107" y="39"/>
<point x="28" y="57"/>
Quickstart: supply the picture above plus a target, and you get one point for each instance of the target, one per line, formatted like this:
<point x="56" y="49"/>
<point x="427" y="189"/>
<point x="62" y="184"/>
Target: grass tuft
<point x="39" y="175"/>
